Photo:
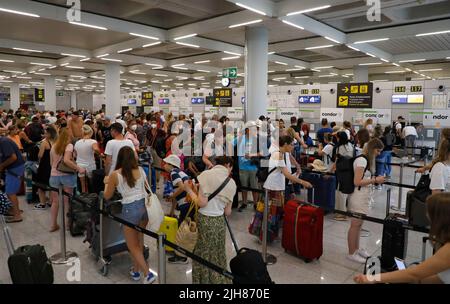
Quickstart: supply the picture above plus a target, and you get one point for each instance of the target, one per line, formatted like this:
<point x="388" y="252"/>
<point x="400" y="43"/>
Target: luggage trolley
<point x="107" y="235"/>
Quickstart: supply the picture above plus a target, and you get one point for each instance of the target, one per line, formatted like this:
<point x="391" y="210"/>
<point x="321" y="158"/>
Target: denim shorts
<point x="13" y="179"/>
<point x="69" y="181"/>
<point x="134" y="212"/>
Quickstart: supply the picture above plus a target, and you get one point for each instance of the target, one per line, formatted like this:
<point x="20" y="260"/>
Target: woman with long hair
<point x="62" y="152"/>
<point x="131" y="182"/>
<point x="440" y="172"/>
<point x="436" y="269"/>
<point x="45" y="167"/>
<point x="363" y="137"/>
<point x="364" y="167"/>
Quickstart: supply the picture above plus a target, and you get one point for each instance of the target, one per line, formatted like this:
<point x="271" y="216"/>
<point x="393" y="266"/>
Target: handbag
<point x="155" y="212"/>
<point x="187" y="233"/>
<point x="62" y="167"/>
<point x="5" y="203"/>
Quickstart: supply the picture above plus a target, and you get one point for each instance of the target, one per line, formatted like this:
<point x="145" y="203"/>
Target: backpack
<point x="263" y="171"/>
<point x="345" y="173"/>
<point x="422" y="190"/>
<point x="390" y="139"/>
<point x="160" y="146"/>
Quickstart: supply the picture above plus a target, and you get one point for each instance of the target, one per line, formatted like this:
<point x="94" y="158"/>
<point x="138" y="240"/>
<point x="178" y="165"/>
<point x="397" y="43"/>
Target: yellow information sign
<point x="343" y="101"/>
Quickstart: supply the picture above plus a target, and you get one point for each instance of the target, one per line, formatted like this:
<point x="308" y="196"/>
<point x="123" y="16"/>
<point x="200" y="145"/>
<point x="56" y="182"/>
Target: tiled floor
<point x="332" y="268"/>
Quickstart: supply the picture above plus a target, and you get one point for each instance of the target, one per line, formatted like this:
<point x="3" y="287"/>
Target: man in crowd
<point x="325" y="129"/>
<point x="113" y="147"/>
<point x="75" y="126"/>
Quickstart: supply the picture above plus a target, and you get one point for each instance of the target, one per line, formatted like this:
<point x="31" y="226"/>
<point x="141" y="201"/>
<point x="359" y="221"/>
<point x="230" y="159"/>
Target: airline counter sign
<point x="354" y="95"/>
<point x="381" y="116"/>
<point x="436" y="118"/>
<point x="332" y="114"/>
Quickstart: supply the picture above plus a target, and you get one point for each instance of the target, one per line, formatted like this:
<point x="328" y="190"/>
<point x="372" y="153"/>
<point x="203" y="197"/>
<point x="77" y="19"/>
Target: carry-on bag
<point x="303" y="229"/>
<point x="394" y="242"/>
<point x="325" y="186"/>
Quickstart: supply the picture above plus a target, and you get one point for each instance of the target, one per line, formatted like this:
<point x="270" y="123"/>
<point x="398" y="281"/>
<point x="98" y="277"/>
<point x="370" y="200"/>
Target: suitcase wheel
<point x="104" y="270"/>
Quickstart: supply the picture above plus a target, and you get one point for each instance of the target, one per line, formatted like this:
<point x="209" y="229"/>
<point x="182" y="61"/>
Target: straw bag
<point x="187" y="233"/>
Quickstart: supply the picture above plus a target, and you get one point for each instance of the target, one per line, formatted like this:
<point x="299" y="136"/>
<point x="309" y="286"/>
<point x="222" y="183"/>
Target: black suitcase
<point x="81" y="210"/>
<point x="248" y="265"/>
<point x="30" y="265"/>
<point x="394" y="242"/>
<point x="416" y="211"/>
<point x="97" y="180"/>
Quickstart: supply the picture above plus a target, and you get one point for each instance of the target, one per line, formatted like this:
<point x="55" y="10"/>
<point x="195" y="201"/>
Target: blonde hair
<point x="87" y="130"/>
<point x="62" y="141"/>
<point x="369" y="151"/>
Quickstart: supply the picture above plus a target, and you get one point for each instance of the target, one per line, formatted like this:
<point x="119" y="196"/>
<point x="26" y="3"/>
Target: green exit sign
<point x="229" y="73"/>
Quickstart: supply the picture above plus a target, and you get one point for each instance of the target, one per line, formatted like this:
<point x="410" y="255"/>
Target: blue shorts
<point x="13" y="179"/>
<point x="69" y="181"/>
<point x="135" y="212"/>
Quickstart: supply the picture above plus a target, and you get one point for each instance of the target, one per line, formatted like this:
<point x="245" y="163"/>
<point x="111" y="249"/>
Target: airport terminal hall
<point x="209" y="143"/>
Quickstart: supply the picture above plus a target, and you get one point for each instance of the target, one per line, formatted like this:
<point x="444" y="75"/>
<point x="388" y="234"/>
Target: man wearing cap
<point x="75" y="126"/>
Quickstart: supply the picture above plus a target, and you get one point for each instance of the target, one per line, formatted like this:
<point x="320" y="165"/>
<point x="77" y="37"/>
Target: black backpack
<point x="422" y="190"/>
<point x="249" y="267"/>
<point x="263" y="171"/>
<point x="345" y="174"/>
<point x="160" y="146"/>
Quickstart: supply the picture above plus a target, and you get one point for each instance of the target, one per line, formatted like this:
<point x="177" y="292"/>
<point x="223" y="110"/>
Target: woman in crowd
<point x="436" y="269"/>
<point x="130" y="180"/>
<point x="62" y="153"/>
<point x="131" y="134"/>
<point x="211" y="225"/>
<point x="388" y="140"/>
<point x="358" y="202"/>
<point x="445" y="134"/>
<point x="369" y="126"/>
<point x="85" y="149"/>
<point x="306" y="138"/>
<point x="45" y="167"/>
<point x="13" y="134"/>
<point x="440" y="172"/>
<point x="363" y="138"/>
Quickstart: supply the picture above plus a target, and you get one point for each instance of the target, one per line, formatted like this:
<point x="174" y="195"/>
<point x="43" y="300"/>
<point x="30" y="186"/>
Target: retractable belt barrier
<point x="149" y="233"/>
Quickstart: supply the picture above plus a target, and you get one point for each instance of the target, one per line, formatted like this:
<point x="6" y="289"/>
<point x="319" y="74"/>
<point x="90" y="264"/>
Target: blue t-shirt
<point x="321" y="132"/>
<point x="8" y="148"/>
<point x="176" y="176"/>
<point x="245" y="146"/>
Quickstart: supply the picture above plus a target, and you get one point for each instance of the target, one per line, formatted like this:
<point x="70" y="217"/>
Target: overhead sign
<point x="211" y="101"/>
<point x="332" y="114"/>
<point x="230" y="73"/>
<point x="315" y="91"/>
<point x="354" y="95"/>
<point x="304" y="91"/>
<point x="436" y="118"/>
<point x="147" y="99"/>
<point x="415" y="89"/>
<point x="223" y="97"/>
<point x="401" y="89"/>
<point x="287" y="113"/>
<point x="379" y="116"/>
<point x="39" y="95"/>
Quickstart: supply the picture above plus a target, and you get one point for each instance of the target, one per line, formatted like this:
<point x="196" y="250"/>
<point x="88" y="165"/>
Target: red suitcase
<point x="303" y="230"/>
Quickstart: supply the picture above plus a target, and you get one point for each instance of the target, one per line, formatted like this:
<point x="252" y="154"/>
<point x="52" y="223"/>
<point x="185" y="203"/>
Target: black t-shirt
<point x="296" y="128"/>
<point x="106" y="133"/>
<point x="8" y="148"/>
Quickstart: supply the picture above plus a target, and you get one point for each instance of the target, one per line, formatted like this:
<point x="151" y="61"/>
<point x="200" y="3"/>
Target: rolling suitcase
<point x="303" y="229"/>
<point x="325" y="186"/>
<point x="170" y="228"/>
<point x="248" y="265"/>
<point x="27" y="264"/>
<point x="394" y="242"/>
<point x="416" y="211"/>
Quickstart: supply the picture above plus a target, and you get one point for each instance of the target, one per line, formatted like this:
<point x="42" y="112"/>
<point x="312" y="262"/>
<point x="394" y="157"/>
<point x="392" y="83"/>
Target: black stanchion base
<point x="59" y="259"/>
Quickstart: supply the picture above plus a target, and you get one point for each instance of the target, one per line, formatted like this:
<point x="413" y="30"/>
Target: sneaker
<point x="177" y="260"/>
<point x="356" y="258"/>
<point x="135" y="275"/>
<point x="40" y="206"/>
<point x="150" y="278"/>
<point x="363" y="253"/>
<point x="340" y="217"/>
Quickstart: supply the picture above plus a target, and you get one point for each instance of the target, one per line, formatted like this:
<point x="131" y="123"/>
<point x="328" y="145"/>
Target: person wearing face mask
<point x="153" y="133"/>
<point x="131" y="134"/>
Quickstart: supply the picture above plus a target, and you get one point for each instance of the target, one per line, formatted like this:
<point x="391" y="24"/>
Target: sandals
<point x="13" y="220"/>
<point x="53" y="229"/>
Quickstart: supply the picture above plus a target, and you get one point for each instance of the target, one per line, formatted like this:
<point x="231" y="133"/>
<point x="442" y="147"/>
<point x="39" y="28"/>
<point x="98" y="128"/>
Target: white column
<point x="256" y="47"/>
<point x="112" y="89"/>
<point x="14" y="92"/>
<point x="50" y="94"/>
<point x="73" y="99"/>
<point x="360" y="74"/>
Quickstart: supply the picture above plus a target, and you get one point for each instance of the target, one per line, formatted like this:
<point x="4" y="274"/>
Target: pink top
<point x="133" y="139"/>
<point x="55" y="158"/>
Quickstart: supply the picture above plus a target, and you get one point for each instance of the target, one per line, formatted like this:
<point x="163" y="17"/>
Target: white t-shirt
<point x="130" y="195"/>
<point x="398" y="126"/>
<point x="85" y="152"/>
<point x="409" y="130"/>
<point x="112" y="149"/>
<point x="276" y="180"/>
<point x="346" y="150"/>
<point x="348" y="134"/>
<point x="440" y="177"/>
<point x="215" y="207"/>
<point x="328" y="151"/>
<point x="362" y="163"/>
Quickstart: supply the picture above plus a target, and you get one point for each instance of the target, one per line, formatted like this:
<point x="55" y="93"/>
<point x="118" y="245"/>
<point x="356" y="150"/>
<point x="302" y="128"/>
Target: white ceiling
<point x="345" y="21"/>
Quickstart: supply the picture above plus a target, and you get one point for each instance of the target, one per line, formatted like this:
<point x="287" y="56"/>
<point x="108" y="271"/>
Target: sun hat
<point x="318" y="165"/>
<point x="173" y="160"/>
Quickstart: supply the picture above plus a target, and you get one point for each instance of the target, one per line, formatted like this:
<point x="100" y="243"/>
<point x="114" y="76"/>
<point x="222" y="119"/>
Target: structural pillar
<point x="360" y="74"/>
<point x="256" y="48"/>
<point x="50" y="93"/>
<point x="14" y="92"/>
<point x="112" y="89"/>
<point x="73" y="99"/>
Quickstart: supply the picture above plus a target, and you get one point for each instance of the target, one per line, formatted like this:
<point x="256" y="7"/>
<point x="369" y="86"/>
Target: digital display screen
<point x="309" y="99"/>
<point x="407" y="99"/>
<point x="163" y="101"/>
<point x="132" y="101"/>
<point x="198" y="100"/>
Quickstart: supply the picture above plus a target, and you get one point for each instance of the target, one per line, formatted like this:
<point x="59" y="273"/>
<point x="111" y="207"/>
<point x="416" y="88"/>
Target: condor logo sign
<point x="436" y="118"/>
<point x="333" y="114"/>
<point x="440" y="116"/>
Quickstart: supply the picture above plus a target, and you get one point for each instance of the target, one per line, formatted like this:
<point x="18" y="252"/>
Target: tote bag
<point x="154" y="210"/>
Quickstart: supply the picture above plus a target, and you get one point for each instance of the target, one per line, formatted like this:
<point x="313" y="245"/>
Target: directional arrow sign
<point x="345" y="90"/>
<point x="230" y="73"/>
<point x="233" y="72"/>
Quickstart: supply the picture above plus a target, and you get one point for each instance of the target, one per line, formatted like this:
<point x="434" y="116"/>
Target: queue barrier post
<point x="64" y="256"/>
<point x="400" y="190"/>
<point x="388" y="201"/>
<point x="161" y="259"/>
<point x="269" y="259"/>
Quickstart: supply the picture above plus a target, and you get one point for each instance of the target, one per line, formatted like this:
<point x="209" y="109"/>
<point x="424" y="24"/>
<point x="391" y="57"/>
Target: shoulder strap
<point x="214" y="194"/>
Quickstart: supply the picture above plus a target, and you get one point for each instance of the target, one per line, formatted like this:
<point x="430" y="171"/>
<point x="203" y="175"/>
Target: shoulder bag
<point x="63" y="167"/>
<point x="155" y="212"/>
